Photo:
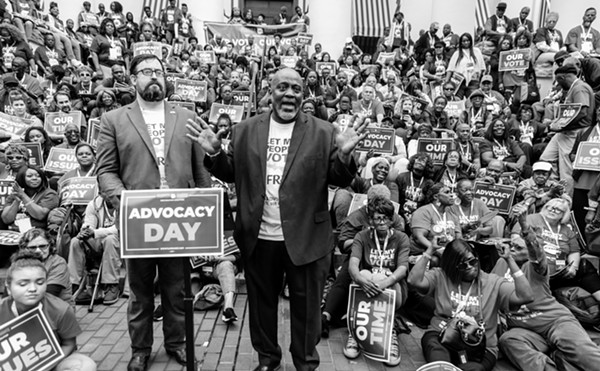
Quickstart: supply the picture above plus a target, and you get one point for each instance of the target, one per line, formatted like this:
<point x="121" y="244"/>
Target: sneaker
<point x="229" y="315"/>
<point x="324" y="326"/>
<point x="76" y="63"/>
<point x="111" y="294"/>
<point x="84" y="298"/>
<point x="351" y="350"/>
<point x="158" y="313"/>
<point x="395" y="356"/>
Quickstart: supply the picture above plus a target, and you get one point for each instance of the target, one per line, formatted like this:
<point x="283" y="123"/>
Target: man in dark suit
<point x="143" y="146"/>
<point x="282" y="163"/>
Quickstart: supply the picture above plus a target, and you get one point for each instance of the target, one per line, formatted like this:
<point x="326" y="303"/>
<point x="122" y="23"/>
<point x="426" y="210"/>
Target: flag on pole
<point x="544" y="10"/>
<point x="482" y="12"/>
<point x="370" y="17"/>
<point x="156" y="6"/>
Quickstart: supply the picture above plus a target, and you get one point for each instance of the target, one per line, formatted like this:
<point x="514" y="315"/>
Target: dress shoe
<point x="179" y="355"/>
<point x="266" y="368"/>
<point x="138" y="362"/>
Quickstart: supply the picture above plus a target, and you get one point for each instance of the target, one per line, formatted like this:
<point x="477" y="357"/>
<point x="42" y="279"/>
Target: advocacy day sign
<point x="566" y="113"/>
<point x="171" y="222"/>
<point x="28" y="343"/>
<point x="496" y="197"/>
<point x="380" y="140"/>
<point x="238" y="33"/>
<point x="61" y="160"/>
<point x="36" y="157"/>
<point x="6" y="187"/>
<point x="371" y="321"/>
<point x="93" y="132"/>
<point x="13" y="125"/>
<point x="320" y="66"/>
<point x="55" y="122"/>
<point x="435" y="148"/>
<point x="234" y="112"/>
<point x="587" y="157"/>
<point x="455" y="109"/>
<point x="148" y="47"/>
<point x="513" y="60"/>
<point x="78" y="190"/>
<point x="192" y="90"/>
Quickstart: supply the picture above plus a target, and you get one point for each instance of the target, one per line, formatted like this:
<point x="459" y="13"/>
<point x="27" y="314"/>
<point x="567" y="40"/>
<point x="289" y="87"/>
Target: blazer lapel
<point x="297" y="136"/>
<point x="170" y="122"/>
<point x="135" y="116"/>
<point x="262" y="137"/>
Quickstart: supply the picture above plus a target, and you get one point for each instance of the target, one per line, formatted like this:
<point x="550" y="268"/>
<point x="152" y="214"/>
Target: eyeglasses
<point x="18" y="157"/>
<point x="468" y="263"/>
<point x="448" y="88"/>
<point x="41" y="247"/>
<point x="84" y="75"/>
<point x="555" y="209"/>
<point x="380" y="219"/>
<point x="150" y="72"/>
<point x="72" y="132"/>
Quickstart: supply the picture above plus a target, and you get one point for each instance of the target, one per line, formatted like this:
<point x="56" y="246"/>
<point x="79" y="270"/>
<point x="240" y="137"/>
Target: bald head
<point x="287" y="88"/>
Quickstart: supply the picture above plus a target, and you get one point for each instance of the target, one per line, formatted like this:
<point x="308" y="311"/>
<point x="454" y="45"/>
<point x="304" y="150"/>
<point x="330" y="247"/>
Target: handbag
<point x="463" y="333"/>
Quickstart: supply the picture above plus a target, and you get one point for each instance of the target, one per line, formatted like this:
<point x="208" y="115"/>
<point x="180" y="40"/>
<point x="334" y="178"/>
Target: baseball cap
<point x="477" y="93"/>
<point x="487" y="78"/>
<point x="569" y="68"/>
<point x="561" y="55"/>
<point x="501" y="5"/>
<point x="542" y="166"/>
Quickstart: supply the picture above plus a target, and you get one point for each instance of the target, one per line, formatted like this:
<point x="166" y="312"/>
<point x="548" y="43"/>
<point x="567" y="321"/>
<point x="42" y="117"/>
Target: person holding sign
<point x="27" y="283"/>
<point x="143" y="146"/>
<point x="298" y="156"/>
<point x="498" y="145"/>
<point x="470" y="211"/>
<point x="468" y="61"/>
<point x="107" y="49"/>
<point x="379" y="261"/>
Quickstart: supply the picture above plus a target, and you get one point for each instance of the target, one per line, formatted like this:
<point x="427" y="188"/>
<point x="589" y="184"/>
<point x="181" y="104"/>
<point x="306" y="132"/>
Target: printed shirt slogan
<point x="157" y="136"/>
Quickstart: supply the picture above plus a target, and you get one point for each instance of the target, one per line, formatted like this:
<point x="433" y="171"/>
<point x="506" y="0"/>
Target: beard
<point x="153" y="93"/>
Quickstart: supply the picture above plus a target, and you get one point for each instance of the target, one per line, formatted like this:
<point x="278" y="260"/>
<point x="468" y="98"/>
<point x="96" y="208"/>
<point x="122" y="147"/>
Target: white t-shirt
<point x="155" y="122"/>
<point x="278" y="144"/>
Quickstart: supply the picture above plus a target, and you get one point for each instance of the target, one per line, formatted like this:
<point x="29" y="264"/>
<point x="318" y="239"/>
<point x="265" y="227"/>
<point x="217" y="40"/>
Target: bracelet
<point x="215" y="154"/>
<point x="589" y="208"/>
<point x="426" y="255"/>
<point x="518" y="274"/>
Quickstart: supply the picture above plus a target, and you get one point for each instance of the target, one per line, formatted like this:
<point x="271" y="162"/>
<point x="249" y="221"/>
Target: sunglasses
<point x="381" y="219"/>
<point x="14" y="157"/>
<point x="448" y="88"/>
<point x="85" y="75"/>
<point x="464" y="265"/>
<point x="41" y="247"/>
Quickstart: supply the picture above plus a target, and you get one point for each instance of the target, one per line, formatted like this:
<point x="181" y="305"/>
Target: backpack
<point x="210" y="297"/>
<point x="581" y="303"/>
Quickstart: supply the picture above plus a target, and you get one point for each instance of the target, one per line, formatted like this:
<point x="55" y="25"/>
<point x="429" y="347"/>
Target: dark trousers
<point x="337" y="299"/>
<point x="264" y="276"/>
<point x="141" y="273"/>
<point x="433" y="350"/>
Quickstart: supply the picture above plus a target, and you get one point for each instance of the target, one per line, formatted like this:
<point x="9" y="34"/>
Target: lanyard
<point x="412" y="186"/>
<point x="466" y="154"/>
<point x="89" y="173"/>
<point x="501" y="145"/>
<point x="452" y="179"/>
<point x="585" y="34"/>
<point x="570" y="90"/>
<point x="13" y="308"/>
<point x="380" y="251"/>
<point x="555" y="235"/>
<point x="468" y="218"/>
<point x="524" y="127"/>
<point x="438" y="214"/>
<point x="311" y="93"/>
<point x="368" y="109"/>
<point x="463" y="303"/>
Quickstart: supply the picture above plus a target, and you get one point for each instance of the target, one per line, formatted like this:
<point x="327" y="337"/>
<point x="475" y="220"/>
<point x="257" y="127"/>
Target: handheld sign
<point x="148" y="47"/>
<point x="456" y="79"/>
<point x="587" y="157"/>
<point x="320" y="66"/>
<point x="241" y="98"/>
<point x="234" y="112"/>
<point x="187" y="105"/>
<point x="380" y="140"/>
<point x="384" y="58"/>
<point x="192" y="90"/>
<point x="349" y="72"/>
<point x="29" y="343"/>
<point x="78" y="191"/>
<point x="61" y="160"/>
<point x="371" y="322"/>
<point x="566" y="114"/>
<point x="171" y="223"/>
<point x="93" y="132"/>
<point x="171" y="77"/>
<point x="436" y="89"/>
<point x="360" y="199"/>
<point x="496" y="197"/>
<point x="514" y="60"/>
<point x="36" y="157"/>
<point x="304" y="39"/>
<point x="55" y="122"/>
<point x="6" y="187"/>
<point x="455" y="109"/>
<point x="230" y="247"/>
<point x="435" y="148"/>
<point x="13" y="125"/>
<point x="206" y="56"/>
<point x="289" y="61"/>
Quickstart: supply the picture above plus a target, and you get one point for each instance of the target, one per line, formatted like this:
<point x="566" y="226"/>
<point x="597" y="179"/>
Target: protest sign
<point x="36" y="156"/>
<point x="436" y="89"/>
<point x="304" y="39"/>
<point x="78" y="190"/>
<point x="171" y="223"/>
<point x="587" y="157"/>
<point x="13" y="125"/>
<point x="55" y="122"/>
<point x="238" y="34"/>
<point x="384" y="58"/>
<point x="6" y="188"/>
<point x="229" y="247"/>
<point x="93" y="132"/>
<point x="360" y="199"/>
<point x="380" y="140"/>
<point x="90" y="19"/>
<point x="456" y="79"/>
<point x="191" y="90"/>
<point x="148" y="47"/>
<point x="171" y="77"/>
<point x="241" y="98"/>
<point x="9" y="238"/>
<point x="61" y="160"/>
<point x="496" y="197"/>
<point x="350" y="73"/>
<point x="435" y="148"/>
<point x="187" y="105"/>
<point x="234" y="112"/>
<point x="371" y="321"/>
<point x="566" y="114"/>
<point x="29" y="343"/>
<point x="455" y="109"/>
<point x="330" y="66"/>
<point x="206" y="56"/>
<point x="289" y="60"/>
<point x="514" y="60"/>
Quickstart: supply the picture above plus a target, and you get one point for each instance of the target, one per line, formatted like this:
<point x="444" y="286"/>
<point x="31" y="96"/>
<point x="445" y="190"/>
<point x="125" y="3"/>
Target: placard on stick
<point x="235" y="112"/>
<point x="455" y="108"/>
<point x="289" y="60"/>
<point x="566" y="114"/>
<point x="384" y="58"/>
<point x="61" y="160"/>
<point x="148" y="47"/>
<point x="380" y="140"/>
<point x="587" y="157"/>
<point x="304" y="39"/>
<point x="55" y="122"/>
<point x="435" y="148"/>
<point x="13" y="125"/>
<point x="514" y="60"/>
<point x="36" y="156"/>
<point x="206" y="56"/>
<point x="171" y="222"/>
<point x="192" y="90"/>
<point x="496" y="197"/>
<point x="93" y="132"/>
<point x="6" y="188"/>
<point x="320" y="66"/>
<point x="78" y="190"/>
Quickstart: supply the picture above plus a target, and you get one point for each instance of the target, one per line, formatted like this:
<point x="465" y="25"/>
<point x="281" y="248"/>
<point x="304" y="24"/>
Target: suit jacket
<point x="126" y="156"/>
<point x="312" y="163"/>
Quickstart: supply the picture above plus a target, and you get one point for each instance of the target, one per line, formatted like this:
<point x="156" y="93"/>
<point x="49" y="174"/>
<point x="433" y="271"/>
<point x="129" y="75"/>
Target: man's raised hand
<point x="200" y="132"/>
<point x="348" y="139"/>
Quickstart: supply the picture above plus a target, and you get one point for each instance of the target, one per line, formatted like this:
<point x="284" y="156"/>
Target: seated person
<point x="72" y="136"/>
<point x="498" y="145"/>
<point x="98" y="237"/>
<point x="494" y="174"/>
<point x="544" y="325"/>
<point x="530" y="133"/>
<point x="470" y="211"/>
<point x="469" y="151"/>
<point x="379" y="261"/>
<point x="380" y="168"/>
<point x="120" y="84"/>
<point x="27" y="283"/>
<point x="412" y="183"/>
<point x="450" y="172"/>
<point x="539" y="189"/>
<point x="477" y="115"/>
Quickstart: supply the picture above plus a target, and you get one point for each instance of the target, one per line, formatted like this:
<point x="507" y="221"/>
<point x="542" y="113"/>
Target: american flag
<point x="156" y="6"/>
<point x="544" y="10"/>
<point x="482" y="12"/>
<point x="370" y="17"/>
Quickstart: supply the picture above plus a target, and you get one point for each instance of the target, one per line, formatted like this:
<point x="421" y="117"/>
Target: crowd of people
<point x="420" y="232"/>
